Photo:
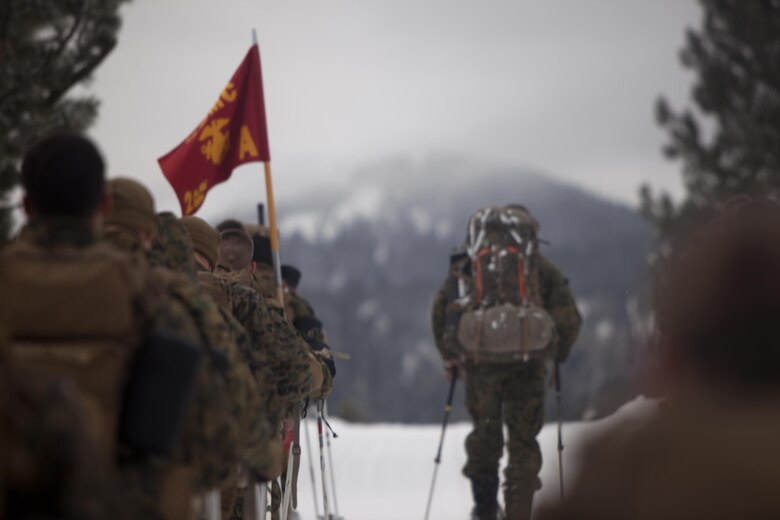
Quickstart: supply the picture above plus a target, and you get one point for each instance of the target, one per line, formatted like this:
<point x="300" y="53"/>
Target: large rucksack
<point x="73" y="313"/>
<point x="502" y="314"/>
<point x="70" y="314"/>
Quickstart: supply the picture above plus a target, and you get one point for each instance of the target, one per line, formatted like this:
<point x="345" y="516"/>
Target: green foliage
<point x="47" y="47"/>
<point x="729" y="141"/>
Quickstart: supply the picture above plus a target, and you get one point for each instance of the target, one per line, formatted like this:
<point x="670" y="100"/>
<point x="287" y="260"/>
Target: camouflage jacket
<point x="297" y="304"/>
<point x="556" y="297"/>
<point x="174" y="314"/>
<point x="262" y="281"/>
<point x="48" y="241"/>
<point x="278" y="357"/>
<point x="236" y="394"/>
<point x="266" y="281"/>
<point x="294" y="304"/>
<point x="210" y="441"/>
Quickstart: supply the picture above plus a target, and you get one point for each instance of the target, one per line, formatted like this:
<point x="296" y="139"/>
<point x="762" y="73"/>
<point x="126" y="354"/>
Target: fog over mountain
<point x="374" y="253"/>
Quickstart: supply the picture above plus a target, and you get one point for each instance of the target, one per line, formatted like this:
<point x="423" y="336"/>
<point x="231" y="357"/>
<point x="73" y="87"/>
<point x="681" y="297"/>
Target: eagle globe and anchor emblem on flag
<point x="233" y="133"/>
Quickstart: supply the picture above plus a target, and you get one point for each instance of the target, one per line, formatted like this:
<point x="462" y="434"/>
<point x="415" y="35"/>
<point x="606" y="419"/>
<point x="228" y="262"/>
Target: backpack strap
<point x="522" y="286"/>
<point x="478" y="281"/>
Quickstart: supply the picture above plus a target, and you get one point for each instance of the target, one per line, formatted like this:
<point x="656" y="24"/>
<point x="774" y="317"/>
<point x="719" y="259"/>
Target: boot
<point x="485" y="491"/>
<point x="518" y="501"/>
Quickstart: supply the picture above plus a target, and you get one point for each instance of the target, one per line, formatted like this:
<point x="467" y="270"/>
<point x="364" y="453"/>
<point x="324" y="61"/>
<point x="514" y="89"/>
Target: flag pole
<point x="274" y="233"/>
<point x="269" y="190"/>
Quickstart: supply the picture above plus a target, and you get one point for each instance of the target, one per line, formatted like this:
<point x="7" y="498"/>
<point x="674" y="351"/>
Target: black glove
<point x="308" y="325"/>
<point x="330" y="364"/>
<point x="324" y="351"/>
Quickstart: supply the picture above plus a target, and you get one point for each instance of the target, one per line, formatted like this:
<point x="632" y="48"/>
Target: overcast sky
<point x="563" y="86"/>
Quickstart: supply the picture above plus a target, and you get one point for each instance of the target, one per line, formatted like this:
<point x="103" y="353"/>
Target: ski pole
<point x="330" y="467"/>
<point x="325" y="510"/>
<point x="255" y="501"/>
<point x="212" y="507"/>
<point x="311" y="469"/>
<point x="261" y="499"/>
<point x="289" y="497"/>
<point x="437" y="460"/>
<point x="560" y="425"/>
<point x="287" y="489"/>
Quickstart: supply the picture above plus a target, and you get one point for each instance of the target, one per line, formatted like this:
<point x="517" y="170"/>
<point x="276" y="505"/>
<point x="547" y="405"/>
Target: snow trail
<point x="384" y="471"/>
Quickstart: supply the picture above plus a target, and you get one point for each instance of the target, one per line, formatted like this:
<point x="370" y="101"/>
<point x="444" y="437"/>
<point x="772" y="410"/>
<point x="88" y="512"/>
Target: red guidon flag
<point x="233" y="133"/>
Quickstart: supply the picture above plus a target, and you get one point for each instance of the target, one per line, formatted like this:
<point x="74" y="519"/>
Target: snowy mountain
<point x="374" y="252"/>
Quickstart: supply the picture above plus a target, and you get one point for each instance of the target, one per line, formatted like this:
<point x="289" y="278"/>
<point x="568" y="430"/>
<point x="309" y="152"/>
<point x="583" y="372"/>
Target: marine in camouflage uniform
<point x="278" y="356"/>
<point x="262" y="280"/>
<point x="170" y="482"/>
<point x="296" y="305"/>
<point x="173" y="249"/>
<point x="261" y="277"/>
<point x="247" y="261"/>
<point x="246" y="402"/>
<point x="77" y="307"/>
<point x="210" y="443"/>
<point x="513" y="394"/>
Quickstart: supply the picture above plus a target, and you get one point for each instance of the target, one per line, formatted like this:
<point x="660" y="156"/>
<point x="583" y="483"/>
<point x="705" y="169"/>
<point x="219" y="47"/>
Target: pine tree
<point x="729" y="141"/>
<point x="47" y="47"/>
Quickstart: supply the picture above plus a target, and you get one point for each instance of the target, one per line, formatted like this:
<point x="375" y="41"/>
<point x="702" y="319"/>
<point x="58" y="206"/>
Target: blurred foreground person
<point x="49" y="466"/>
<point x="81" y="311"/>
<point x="503" y="311"/>
<point x="245" y="401"/>
<point x="210" y="446"/>
<point x="711" y="451"/>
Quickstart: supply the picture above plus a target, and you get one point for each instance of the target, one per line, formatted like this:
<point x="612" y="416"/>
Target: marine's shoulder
<point x="174" y="281"/>
<point x="549" y="271"/>
<point x="88" y="256"/>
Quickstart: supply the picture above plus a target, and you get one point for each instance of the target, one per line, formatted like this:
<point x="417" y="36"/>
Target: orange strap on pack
<point x="478" y="274"/>
<point x="521" y="283"/>
<point x="521" y="280"/>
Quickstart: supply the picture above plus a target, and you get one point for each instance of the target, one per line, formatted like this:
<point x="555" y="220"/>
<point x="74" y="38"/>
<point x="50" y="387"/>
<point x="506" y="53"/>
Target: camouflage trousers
<point x="511" y="393"/>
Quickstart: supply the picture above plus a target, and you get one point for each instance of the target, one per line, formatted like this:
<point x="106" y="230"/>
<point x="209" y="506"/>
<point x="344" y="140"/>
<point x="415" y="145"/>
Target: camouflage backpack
<point x="70" y="314"/>
<point x="73" y="313"/>
<point x="503" y="318"/>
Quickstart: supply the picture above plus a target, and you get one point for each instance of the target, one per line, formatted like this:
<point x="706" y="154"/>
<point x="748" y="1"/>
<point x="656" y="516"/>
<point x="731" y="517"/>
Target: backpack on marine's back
<point x="503" y="316"/>
<point x="73" y="315"/>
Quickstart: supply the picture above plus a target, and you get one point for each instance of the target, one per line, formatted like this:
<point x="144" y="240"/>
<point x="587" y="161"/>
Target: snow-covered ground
<point x="384" y="471"/>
